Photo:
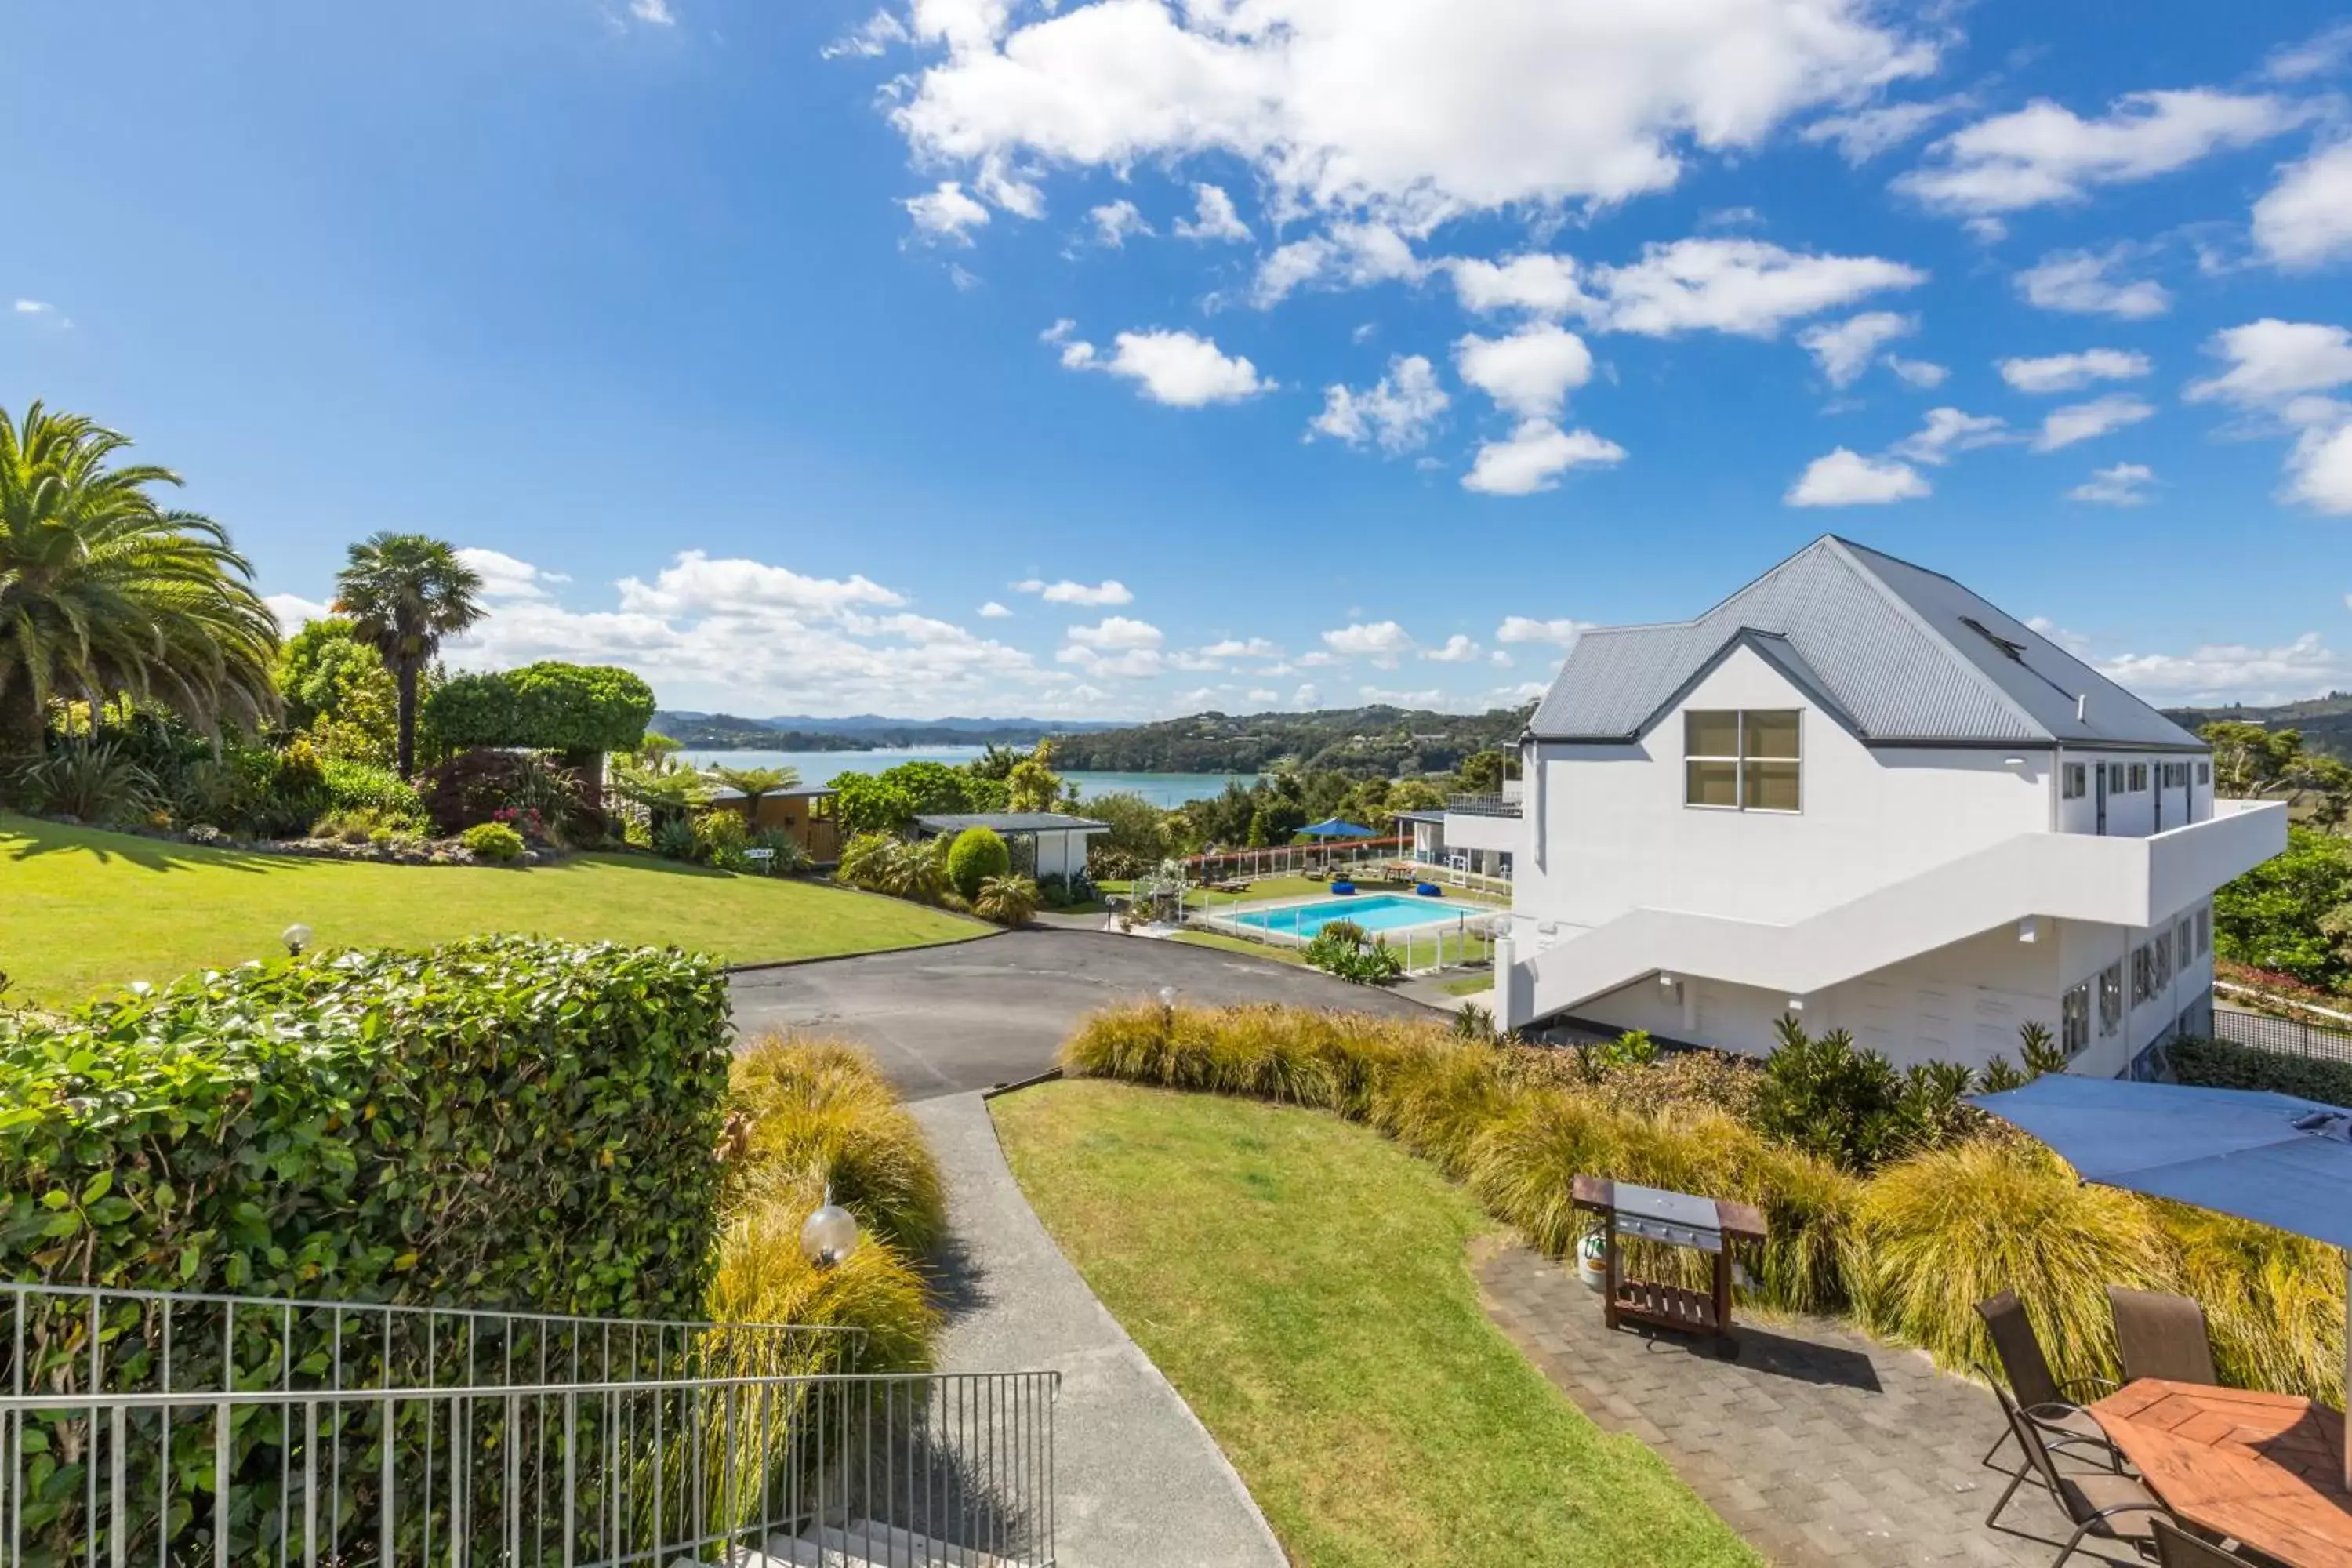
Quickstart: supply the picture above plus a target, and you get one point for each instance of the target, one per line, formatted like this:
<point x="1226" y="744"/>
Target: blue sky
<point x="1248" y="353"/>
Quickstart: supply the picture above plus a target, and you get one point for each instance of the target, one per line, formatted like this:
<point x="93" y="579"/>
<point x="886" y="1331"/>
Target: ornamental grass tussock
<point x="1906" y="1247"/>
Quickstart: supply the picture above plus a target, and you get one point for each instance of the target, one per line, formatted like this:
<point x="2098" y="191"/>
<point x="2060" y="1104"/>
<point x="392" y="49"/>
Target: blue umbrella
<point x="2272" y="1158"/>
<point x="1332" y="827"/>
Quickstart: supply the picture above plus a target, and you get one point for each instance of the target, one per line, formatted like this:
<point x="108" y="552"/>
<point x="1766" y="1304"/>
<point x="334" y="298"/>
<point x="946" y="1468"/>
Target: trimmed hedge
<point x="501" y="1122"/>
<point x="2219" y="1064"/>
<point x="977" y="854"/>
<point x="547" y="707"/>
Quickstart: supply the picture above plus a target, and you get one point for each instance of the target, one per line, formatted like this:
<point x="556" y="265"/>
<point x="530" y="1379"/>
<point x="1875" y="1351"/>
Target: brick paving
<point x="1823" y="1448"/>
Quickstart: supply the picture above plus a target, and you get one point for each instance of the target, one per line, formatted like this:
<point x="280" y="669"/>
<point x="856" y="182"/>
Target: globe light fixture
<point x="296" y="937"/>
<point x="830" y="1235"/>
<point x="1168" y="997"/>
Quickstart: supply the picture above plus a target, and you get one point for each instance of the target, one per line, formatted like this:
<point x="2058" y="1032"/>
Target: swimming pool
<point x="1373" y="911"/>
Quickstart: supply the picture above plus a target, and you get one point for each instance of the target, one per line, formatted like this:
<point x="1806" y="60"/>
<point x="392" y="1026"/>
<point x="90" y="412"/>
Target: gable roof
<point x="1901" y="653"/>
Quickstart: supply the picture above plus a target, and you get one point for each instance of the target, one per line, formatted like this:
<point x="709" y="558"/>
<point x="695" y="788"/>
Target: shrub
<point x="92" y="779"/>
<point x="2218" y="1064"/>
<point x="1826" y="1096"/>
<point x="720" y="837"/>
<point x="673" y="839"/>
<point x="548" y="706"/>
<point x="822" y="1109"/>
<point x="977" y="855"/>
<point x="763" y="1278"/>
<point x="789" y="857"/>
<point x="1341" y="948"/>
<point x="882" y="864"/>
<point x="1007" y="900"/>
<point x="357" y="786"/>
<point x="505" y="1122"/>
<point x="494" y="842"/>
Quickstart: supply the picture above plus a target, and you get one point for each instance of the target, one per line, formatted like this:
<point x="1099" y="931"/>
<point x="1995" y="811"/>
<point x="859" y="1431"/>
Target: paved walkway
<point x="1823" y="1449"/>
<point x="1139" y="1483"/>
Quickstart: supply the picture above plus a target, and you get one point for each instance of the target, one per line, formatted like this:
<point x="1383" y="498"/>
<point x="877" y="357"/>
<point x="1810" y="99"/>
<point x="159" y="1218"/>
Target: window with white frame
<point x="1741" y="759"/>
<point x="2139" y="778"/>
<point x="2111" y="997"/>
<point x="2204" y="932"/>
<point x="2074" y="1019"/>
<point x="2143" y="969"/>
<point x="2160" y="967"/>
<point x="2114" y="778"/>
<point x="2182" y="952"/>
<point x="2204" y="773"/>
<point x="2075" y="778"/>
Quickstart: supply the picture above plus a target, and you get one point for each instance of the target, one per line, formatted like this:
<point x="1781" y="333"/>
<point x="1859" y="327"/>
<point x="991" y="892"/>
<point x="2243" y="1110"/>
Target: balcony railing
<point x="216" y="1431"/>
<point x="1483" y="804"/>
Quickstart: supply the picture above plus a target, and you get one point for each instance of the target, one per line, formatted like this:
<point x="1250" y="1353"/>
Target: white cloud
<point x="696" y="583"/>
<point x="1528" y="374"/>
<point x="1178" y="368"/>
<point x="1382" y="642"/>
<point x="43" y="311"/>
<point x="1534" y="456"/>
<point x="1118" y="631"/>
<point x="874" y="36"/>
<point x="945" y="213"/>
<point x="1560" y="633"/>
<point x="2305" y="220"/>
<point x="1428" y="697"/>
<point x="2082" y="282"/>
<point x="992" y="611"/>
<point x="1865" y="134"/>
<point x="2273" y="363"/>
<point x="295" y="612"/>
<point x="1538" y="282"/>
<point x="1241" y="647"/>
<point x="2233" y="672"/>
<point x="1263" y="694"/>
<point x="657" y="12"/>
<point x="1501" y="659"/>
<point x="1748" y="287"/>
<point x="1214" y="219"/>
<point x="505" y="577"/>
<point x="1946" y="431"/>
<point x="2068" y="373"/>
<point x="1350" y="256"/>
<point x="1110" y="591"/>
<point x="2046" y="153"/>
<point x="1115" y="222"/>
<point x="2315" y="56"/>
<point x="1458" y="650"/>
<point x="1845" y="478"/>
<point x="2088" y="421"/>
<point x="1394" y="110"/>
<point x="1918" y="372"/>
<point x="1306" y="696"/>
<point x="1127" y="664"/>
<point x="2319" y="469"/>
<point x="1844" y="349"/>
<point x="1397" y="413"/>
<point x="2124" y="484"/>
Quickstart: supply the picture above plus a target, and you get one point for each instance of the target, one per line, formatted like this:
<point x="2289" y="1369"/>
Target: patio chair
<point x="2039" y="1394"/>
<point x="2175" y="1548"/>
<point x="2161" y="1336"/>
<point x="2096" y="1503"/>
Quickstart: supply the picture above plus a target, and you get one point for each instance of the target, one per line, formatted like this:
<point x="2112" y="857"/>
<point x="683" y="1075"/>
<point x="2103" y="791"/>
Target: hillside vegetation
<point x="1382" y="740"/>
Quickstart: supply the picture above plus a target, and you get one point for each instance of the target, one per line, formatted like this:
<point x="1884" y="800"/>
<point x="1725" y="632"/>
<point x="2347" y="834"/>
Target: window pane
<point x="1772" y="734"/>
<point x="1772" y="787"/>
<point x="1710" y="734"/>
<point x="1712" y="783"/>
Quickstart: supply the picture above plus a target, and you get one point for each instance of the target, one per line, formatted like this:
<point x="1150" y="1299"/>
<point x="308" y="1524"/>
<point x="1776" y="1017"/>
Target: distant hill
<point x="1383" y="740"/>
<point x="855" y="733"/>
<point x="2326" y="721"/>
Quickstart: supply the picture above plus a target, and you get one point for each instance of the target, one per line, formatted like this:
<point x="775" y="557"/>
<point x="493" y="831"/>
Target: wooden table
<point x="2266" y="1469"/>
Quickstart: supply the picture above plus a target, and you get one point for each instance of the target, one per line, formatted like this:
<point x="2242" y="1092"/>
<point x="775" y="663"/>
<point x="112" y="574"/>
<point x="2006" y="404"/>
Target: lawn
<point x="1470" y="985"/>
<point x="82" y="910"/>
<point x="1303" y="1284"/>
<point x="1242" y="944"/>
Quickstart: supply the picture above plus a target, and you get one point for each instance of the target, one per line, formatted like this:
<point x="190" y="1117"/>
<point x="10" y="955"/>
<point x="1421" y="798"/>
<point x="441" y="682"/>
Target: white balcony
<point x="1484" y="830"/>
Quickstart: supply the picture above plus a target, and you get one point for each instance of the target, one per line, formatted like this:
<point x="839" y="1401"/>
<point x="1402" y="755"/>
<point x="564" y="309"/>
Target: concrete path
<point x="1823" y="1449"/>
<point x="1139" y="1483"/>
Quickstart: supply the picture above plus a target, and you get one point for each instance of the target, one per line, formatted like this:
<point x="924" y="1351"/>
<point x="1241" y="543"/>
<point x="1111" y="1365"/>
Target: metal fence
<point x="145" y="1428"/>
<point x="2289" y="1034"/>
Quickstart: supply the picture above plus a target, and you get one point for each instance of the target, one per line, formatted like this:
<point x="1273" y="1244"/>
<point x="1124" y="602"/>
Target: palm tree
<point x="105" y="594"/>
<point x="405" y="593"/>
<point x="755" y="784"/>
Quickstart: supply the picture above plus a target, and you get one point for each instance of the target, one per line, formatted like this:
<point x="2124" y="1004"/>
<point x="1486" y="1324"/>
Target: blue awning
<point x="1332" y="827"/>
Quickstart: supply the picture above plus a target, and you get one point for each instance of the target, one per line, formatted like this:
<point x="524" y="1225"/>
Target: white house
<point x="1857" y="790"/>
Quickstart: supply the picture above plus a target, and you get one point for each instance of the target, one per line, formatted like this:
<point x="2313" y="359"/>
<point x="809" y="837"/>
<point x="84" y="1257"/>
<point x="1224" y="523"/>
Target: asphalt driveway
<point x="942" y="1020"/>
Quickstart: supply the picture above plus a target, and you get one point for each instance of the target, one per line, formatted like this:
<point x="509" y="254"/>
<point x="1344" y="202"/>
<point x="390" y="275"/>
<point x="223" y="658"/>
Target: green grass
<point x="82" y="910"/>
<point x="1304" y="1283"/>
<point x="1242" y="944"/>
<point x="1469" y="984"/>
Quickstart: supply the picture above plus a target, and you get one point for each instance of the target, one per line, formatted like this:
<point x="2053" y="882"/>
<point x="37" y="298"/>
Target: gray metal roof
<point x="1888" y="645"/>
<point x="1011" y="822"/>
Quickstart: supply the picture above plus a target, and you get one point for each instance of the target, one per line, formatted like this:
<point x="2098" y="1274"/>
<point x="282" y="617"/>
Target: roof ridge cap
<point x="1844" y="552"/>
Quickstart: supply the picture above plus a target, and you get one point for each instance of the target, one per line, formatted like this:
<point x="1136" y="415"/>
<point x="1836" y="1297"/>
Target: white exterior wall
<point x="1618" y="837"/>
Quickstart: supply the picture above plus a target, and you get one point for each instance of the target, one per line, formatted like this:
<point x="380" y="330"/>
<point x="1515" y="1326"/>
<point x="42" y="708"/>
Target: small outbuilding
<point x="1043" y="843"/>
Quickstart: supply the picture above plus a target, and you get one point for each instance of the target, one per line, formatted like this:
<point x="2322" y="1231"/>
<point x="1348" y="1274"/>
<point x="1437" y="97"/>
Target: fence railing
<point x="2289" y="1035"/>
<point x="1483" y="804"/>
<point x="147" y="1427"/>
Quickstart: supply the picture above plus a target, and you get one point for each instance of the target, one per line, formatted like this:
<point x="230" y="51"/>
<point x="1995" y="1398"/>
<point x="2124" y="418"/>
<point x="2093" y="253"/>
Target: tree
<point x="2250" y="761"/>
<point x="581" y="710"/>
<point x="1481" y="773"/>
<point x="1030" y="783"/>
<point x="104" y="592"/>
<point x="756" y="784"/>
<point x="405" y="593"/>
<point x="978" y="854"/>
<point x="2279" y="915"/>
<point x="337" y="690"/>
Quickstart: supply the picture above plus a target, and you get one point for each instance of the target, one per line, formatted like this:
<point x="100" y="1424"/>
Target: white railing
<point x="147" y="1427"/>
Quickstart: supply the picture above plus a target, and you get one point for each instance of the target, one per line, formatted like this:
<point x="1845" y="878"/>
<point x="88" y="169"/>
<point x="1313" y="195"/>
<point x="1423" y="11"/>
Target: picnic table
<point x="2265" y="1470"/>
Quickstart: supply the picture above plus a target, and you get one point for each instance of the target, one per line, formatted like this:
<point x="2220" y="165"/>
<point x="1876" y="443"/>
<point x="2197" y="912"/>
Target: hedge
<point x="547" y="707"/>
<point x="499" y="1123"/>
<point x="2220" y="1064"/>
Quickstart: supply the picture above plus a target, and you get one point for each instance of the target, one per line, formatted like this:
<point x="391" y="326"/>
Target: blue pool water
<point x="1373" y="911"/>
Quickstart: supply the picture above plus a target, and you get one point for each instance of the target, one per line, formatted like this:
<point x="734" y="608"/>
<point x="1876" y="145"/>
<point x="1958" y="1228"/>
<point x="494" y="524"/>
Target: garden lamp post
<point x="829" y="1234"/>
<point x="296" y="937"/>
